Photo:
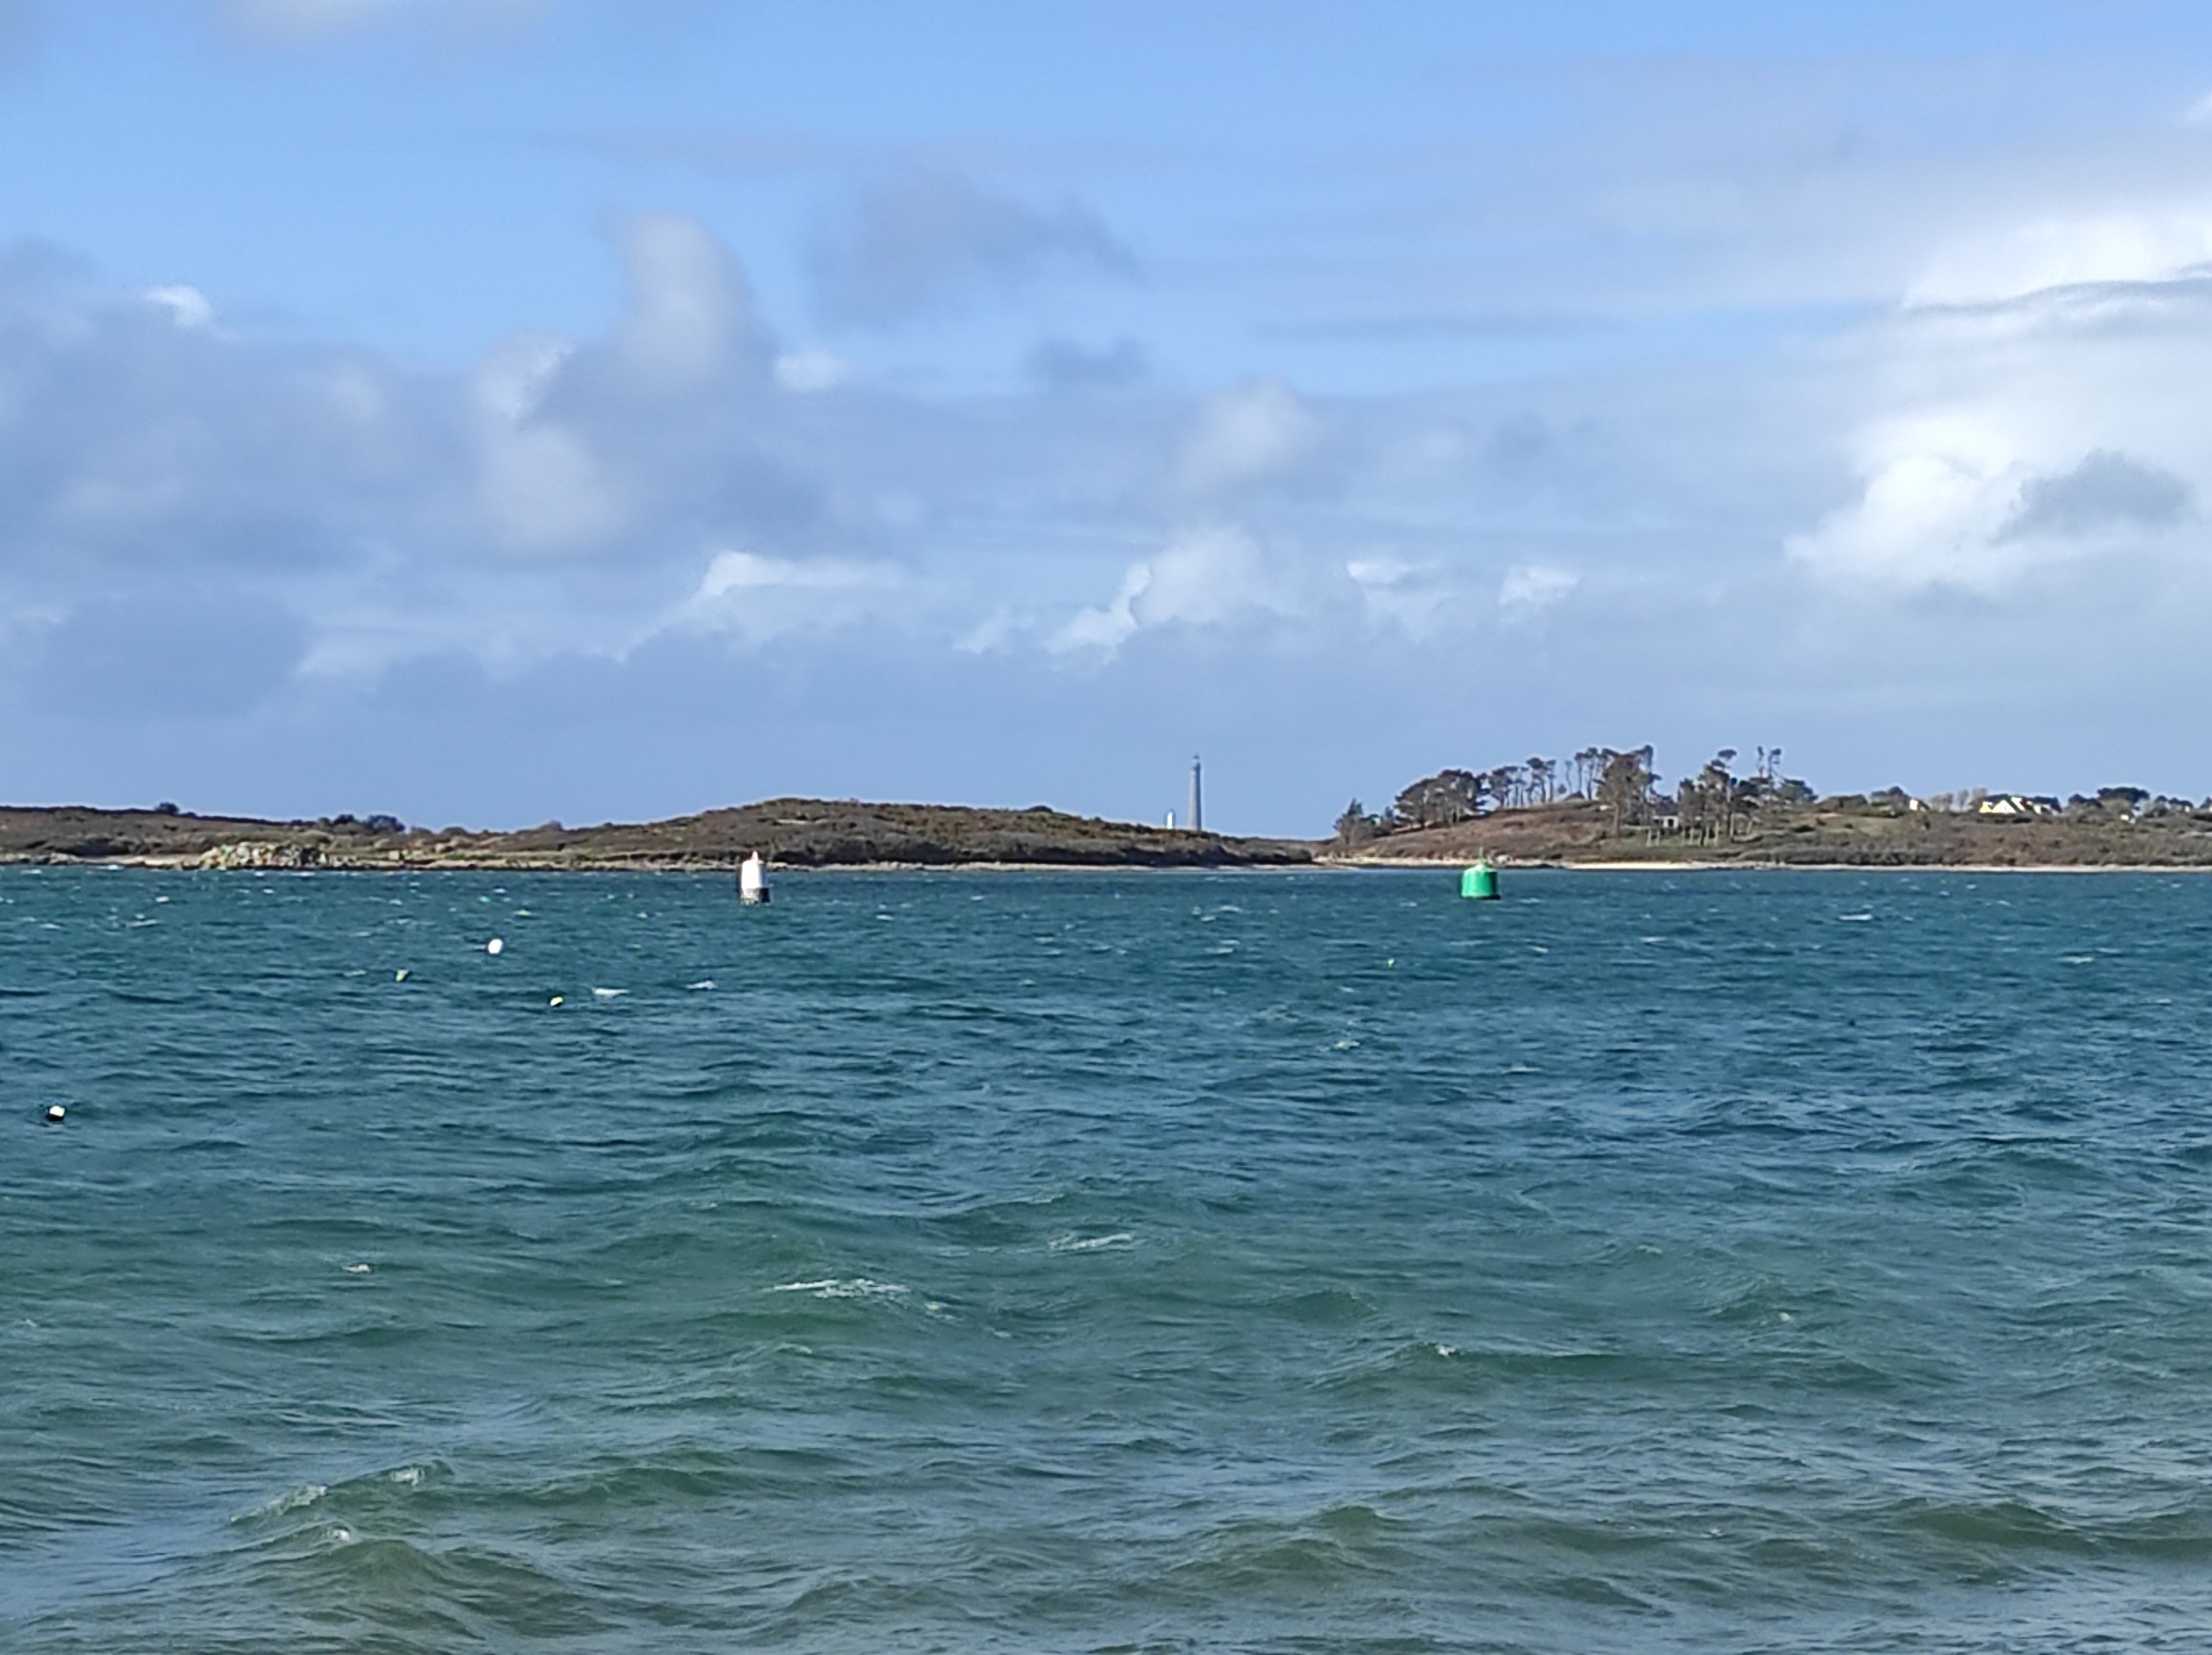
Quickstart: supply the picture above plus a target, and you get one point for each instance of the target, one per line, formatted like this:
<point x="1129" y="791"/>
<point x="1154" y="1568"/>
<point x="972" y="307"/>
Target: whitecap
<point x="408" y="1476"/>
<point x="291" y="1501"/>
<point x="609" y="994"/>
<point x="852" y="1287"/>
<point x="700" y="983"/>
<point x="1072" y="1244"/>
<point x="355" y="1269"/>
<point x="1855" y="917"/>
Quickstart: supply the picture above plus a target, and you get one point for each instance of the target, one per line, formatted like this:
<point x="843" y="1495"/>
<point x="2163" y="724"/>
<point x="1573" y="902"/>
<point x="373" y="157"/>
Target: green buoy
<point x="1480" y="883"/>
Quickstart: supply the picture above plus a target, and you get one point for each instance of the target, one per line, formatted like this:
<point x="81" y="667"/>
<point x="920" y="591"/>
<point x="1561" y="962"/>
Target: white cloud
<point x="1409" y="595"/>
<point x="540" y="486"/>
<point x="512" y="378"/>
<point x="1209" y="578"/>
<point x="187" y="306"/>
<point x="805" y="372"/>
<point x="755" y="598"/>
<point x="545" y="491"/>
<point x="2141" y="245"/>
<point x="1256" y="430"/>
<point x="2047" y="431"/>
<point x="692" y="316"/>
<point x="994" y="632"/>
<point x="1528" y="589"/>
<point x="1105" y="629"/>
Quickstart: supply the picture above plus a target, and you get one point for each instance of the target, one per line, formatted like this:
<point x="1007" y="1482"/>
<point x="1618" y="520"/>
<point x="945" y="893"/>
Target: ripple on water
<point x="1108" y="1262"/>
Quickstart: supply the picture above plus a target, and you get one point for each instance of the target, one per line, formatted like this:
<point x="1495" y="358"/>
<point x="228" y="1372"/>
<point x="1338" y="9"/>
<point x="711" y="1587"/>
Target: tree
<point x="1439" y="801"/>
<point x="1355" y="827"/>
<point x="1716" y="794"/>
<point x="1625" y="782"/>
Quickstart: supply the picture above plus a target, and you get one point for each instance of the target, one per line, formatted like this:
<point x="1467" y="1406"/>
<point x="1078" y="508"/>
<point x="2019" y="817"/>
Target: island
<point x="789" y="832"/>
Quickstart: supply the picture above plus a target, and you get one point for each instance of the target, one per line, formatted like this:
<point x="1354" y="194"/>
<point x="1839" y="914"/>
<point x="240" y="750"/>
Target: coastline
<point x="1314" y="865"/>
<point x="851" y="836"/>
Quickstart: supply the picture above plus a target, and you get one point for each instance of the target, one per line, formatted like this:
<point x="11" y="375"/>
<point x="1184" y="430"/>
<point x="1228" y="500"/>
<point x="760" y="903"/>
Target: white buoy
<point x="55" y="1114"/>
<point x="752" y="879"/>
<point x="495" y="945"/>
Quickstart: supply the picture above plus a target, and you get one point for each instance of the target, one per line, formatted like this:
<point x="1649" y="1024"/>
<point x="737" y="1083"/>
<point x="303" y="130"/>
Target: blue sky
<point x="488" y="410"/>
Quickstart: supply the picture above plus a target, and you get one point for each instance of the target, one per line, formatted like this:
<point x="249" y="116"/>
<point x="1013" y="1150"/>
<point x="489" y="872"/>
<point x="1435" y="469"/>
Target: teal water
<point x="1170" y="1261"/>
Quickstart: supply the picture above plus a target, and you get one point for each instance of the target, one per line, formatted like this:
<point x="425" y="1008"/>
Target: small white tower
<point x="752" y="879"/>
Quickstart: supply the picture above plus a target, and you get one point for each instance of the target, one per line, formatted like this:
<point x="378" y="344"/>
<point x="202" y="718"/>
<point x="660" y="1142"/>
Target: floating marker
<point x="1479" y="882"/>
<point x="55" y="1114"/>
<point x="557" y="1000"/>
<point x="400" y="975"/>
<point x="752" y="880"/>
<point x="495" y="945"/>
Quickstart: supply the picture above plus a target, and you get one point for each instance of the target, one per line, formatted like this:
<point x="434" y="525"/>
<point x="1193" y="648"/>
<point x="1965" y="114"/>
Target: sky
<point x="497" y="411"/>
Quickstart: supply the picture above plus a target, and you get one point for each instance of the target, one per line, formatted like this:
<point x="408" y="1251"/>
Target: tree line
<point x="1715" y="803"/>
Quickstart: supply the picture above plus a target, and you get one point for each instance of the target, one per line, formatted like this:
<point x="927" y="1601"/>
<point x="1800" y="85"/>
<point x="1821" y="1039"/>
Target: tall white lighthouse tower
<point x="1197" y="822"/>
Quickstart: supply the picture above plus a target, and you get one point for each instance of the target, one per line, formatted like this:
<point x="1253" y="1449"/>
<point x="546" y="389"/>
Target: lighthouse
<point x="1198" y="821"/>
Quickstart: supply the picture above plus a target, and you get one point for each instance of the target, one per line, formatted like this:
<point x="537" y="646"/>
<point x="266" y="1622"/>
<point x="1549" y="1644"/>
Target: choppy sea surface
<point x="1709" y="1261"/>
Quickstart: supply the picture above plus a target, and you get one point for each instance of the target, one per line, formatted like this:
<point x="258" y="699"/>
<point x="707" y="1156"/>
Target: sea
<point x="1161" y="1262"/>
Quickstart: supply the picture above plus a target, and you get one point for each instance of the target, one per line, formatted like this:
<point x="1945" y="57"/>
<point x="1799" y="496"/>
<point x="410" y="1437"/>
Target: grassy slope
<point x="1575" y="830"/>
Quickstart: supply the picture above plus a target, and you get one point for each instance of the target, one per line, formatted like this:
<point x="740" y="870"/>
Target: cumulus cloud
<point x="754" y="598"/>
<point x="2055" y="428"/>
<point x="930" y="242"/>
<point x="2106" y="491"/>
<point x="1252" y="431"/>
<point x="1528" y="589"/>
<point x="1411" y="597"/>
<point x="692" y="316"/>
<point x="1211" y="577"/>
<point x="187" y="306"/>
<point x="554" y="499"/>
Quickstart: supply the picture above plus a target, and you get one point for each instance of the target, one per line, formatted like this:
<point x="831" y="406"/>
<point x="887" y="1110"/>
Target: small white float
<point x="752" y="879"/>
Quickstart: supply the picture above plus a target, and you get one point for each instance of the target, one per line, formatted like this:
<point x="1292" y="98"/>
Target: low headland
<point x="789" y="832"/>
<point x="1606" y="807"/>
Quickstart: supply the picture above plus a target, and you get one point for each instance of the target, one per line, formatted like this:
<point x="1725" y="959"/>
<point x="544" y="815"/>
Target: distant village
<point x="1717" y="803"/>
